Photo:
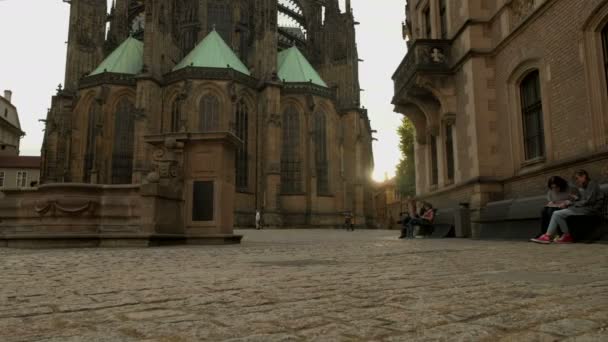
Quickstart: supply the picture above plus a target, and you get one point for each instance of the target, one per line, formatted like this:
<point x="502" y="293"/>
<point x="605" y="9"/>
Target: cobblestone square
<point x="308" y="285"/>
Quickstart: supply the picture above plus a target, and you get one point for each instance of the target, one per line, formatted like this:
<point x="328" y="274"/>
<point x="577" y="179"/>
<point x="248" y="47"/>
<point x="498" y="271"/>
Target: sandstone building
<point x="503" y="94"/>
<point x="280" y="77"/>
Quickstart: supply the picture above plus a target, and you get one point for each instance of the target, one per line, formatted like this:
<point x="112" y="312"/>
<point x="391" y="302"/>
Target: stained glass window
<point x="122" y="151"/>
<point x="91" y="138"/>
<point x="219" y="16"/>
<point x="242" y="132"/>
<point x="321" y="153"/>
<point x="291" y="173"/>
<point x="209" y="114"/>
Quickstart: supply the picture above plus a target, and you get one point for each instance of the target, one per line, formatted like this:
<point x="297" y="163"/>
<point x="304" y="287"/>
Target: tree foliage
<point x="406" y="169"/>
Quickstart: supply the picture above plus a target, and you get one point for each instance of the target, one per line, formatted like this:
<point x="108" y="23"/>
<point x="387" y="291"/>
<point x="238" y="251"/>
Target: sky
<point x="33" y="52"/>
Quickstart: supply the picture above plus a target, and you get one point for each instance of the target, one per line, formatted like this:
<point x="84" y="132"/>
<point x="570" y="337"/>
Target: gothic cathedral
<point x="258" y="99"/>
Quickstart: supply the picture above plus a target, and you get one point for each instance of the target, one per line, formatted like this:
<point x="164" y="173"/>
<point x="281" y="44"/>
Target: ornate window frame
<point x="209" y="113"/>
<point x="292" y="164"/>
<point x="242" y="118"/>
<point x="123" y="142"/>
<point x="516" y="116"/>
<point x="596" y="74"/>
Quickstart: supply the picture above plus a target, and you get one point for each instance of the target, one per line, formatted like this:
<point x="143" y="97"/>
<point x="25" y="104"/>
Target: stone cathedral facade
<point x="250" y="103"/>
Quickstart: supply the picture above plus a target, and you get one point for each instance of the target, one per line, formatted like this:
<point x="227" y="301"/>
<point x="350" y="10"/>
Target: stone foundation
<point x="84" y="215"/>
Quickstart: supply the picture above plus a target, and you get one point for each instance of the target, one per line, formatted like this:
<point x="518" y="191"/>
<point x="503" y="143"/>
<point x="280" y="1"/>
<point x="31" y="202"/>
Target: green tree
<point x="406" y="169"/>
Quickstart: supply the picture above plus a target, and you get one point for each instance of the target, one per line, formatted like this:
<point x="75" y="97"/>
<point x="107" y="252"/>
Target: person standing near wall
<point x="258" y="220"/>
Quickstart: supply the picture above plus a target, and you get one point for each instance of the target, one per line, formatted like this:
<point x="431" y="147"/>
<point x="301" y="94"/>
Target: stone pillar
<point x="462" y="221"/>
<point x="148" y="116"/>
<point x="271" y="153"/>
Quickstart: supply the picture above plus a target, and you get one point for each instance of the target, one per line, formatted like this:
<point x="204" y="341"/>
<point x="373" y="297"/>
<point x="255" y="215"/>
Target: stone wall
<point x="82" y="215"/>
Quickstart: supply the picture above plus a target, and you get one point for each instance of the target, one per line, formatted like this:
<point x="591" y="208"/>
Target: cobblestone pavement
<point x="308" y="286"/>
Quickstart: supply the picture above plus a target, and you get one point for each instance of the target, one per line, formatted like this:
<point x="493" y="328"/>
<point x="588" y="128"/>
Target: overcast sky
<point x="33" y="51"/>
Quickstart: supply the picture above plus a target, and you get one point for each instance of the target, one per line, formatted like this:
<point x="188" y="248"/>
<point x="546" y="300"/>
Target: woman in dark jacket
<point x="559" y="192"/>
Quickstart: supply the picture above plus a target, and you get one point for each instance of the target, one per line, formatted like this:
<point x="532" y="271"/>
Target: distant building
<point x="10" y="129"/>
<point x="19" y="172"/>
<point x="388" y="203"/>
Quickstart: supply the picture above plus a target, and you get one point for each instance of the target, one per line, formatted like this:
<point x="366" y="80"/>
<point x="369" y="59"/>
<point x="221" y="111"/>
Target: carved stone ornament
<point x="521" y="9"/>
<point x="140" y="113"/>
<point x="167" y="161"/>
<point x="274" y="119"/>
<point x="54" y="207"/>
<point x="185" y="90"/>
<point x="310" y="102"/>
<point x="102" y="94"/>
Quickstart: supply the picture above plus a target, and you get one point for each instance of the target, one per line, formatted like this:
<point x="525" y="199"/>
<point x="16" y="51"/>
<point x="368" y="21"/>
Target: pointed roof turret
<point x="294" y="68"/>
<point x="213" y="52"/>
<point x="128" y="58"/>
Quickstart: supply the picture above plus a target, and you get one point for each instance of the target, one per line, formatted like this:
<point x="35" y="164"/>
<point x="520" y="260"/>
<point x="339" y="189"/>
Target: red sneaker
<point x="544" y="239"/>
<point x="566" y="238"/>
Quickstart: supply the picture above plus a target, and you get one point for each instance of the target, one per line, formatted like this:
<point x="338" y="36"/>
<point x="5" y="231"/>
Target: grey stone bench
<point x="520" y="219"/>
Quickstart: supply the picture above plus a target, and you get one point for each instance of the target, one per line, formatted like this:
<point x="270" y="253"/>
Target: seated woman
<point x="587" y="203"/>
<point x="559" y="192"/>
<point x="424" y="218"/>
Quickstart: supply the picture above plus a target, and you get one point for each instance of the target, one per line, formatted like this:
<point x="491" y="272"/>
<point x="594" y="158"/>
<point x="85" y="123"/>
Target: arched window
<point x="605" y="44"/>
<point x="209" y="119"/>
<point x="219" y="14"/>
<point x="449" y="151"/>
<point x="242" y="132"/>
<point x="291" y="174"/>
<point x="532" y="116"/>
<point x="434" y="161"/>
<point x="91" y="138"/>
<point x="122" y="151"/>
<point x="176" y="116"/>
<point x="188" y="24"/>
<point x="321" y="153"/>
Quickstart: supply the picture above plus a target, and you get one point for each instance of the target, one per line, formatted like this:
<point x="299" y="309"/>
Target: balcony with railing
<point x="425" y="57"/>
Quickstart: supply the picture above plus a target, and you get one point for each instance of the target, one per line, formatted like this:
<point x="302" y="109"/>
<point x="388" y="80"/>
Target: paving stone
<point x="307" y="285"/>
<point x="568" y="327"/>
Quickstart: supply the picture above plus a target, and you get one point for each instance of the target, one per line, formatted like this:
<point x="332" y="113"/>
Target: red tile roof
<point x="19" y="162"/>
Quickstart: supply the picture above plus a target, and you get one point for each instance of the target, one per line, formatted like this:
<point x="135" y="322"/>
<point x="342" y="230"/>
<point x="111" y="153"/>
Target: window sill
<point x="325" y="195"/>
<point x="292" y="194"/>
<point x="532" y="162"/>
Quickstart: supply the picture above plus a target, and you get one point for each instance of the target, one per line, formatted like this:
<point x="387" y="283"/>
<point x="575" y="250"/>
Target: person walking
<point x="258" y="220"/>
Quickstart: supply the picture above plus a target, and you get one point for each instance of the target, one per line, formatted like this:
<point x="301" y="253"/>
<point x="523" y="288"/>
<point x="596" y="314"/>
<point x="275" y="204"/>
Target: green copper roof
<point x="213" y="52"/>
<point x="128" y="58"/>
<point x="295" y="68"/>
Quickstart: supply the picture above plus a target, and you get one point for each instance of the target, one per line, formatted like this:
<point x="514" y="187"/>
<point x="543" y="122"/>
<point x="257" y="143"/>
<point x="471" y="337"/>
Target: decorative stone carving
<point x="102" y="94"/>
<point x="437" y="55"/>
<point x="184" y="91"/>
<point x="54" y="207"/>
<point x="274" y="119"/>
<point x="449" y="119"/>
<point x="310" y="101"/>
<point x="273" y="168"/>
<point x="140" y="113"/>
<point x="167" y="162"/>
<point x="521" y="9"/>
